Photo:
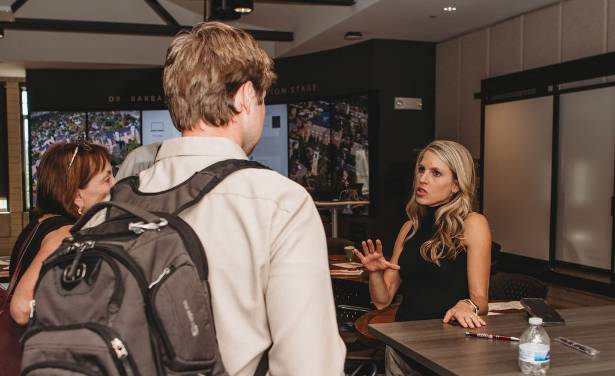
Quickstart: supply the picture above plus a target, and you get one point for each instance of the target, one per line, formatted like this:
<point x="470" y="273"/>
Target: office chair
<point x="514" y="286"/>
<point x="495" y="256"/>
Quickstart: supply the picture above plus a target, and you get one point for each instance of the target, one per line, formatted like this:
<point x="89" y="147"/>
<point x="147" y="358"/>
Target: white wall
<point x="569" y="30"/>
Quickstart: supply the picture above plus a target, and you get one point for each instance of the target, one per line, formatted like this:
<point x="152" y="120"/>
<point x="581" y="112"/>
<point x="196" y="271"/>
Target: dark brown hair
<point x="59" y="179"/>
<point x="205" y="67"/>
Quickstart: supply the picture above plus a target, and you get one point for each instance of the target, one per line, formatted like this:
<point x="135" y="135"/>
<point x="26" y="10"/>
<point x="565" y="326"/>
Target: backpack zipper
<point x="60" y="365"/>
<point x="118" y="350"/>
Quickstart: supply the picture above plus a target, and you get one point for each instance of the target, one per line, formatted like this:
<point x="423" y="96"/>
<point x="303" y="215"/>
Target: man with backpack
<point x="206" y="263"/>
<point x="264" y="240"/>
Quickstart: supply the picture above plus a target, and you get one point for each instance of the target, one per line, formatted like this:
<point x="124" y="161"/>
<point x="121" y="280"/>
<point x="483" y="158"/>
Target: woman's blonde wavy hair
<point x="447" y="241"/>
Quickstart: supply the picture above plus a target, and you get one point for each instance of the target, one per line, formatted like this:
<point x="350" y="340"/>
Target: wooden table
<point x="334" y="206"/>
<point x="444" y="349"/>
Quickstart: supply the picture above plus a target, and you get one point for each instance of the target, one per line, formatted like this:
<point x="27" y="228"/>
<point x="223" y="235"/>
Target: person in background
<point x="442" y="256"/>
<point x="265" y="242"/>
<point x="72" y="177"/>
<point x="138" y="160"/>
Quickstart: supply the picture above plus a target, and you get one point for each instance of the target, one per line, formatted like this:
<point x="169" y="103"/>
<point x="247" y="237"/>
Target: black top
<point x="429" y="290"/>
<point x="46" y="226"/>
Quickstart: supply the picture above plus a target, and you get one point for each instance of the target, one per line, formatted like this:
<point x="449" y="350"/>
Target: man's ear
<point x="244" y="97"/>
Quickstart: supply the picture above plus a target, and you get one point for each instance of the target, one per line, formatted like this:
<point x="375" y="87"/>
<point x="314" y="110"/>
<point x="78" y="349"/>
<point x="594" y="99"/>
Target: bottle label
<point x="535" y="353"/>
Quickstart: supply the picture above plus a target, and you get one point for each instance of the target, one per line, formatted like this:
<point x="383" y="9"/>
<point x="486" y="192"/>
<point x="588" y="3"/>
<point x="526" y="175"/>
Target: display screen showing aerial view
<point x="350" y="148"/>
<point x="309" y="154"/>
<point x="328" y="148"/>
<point x="47" y="128"/>
<point x="118" y="131"/>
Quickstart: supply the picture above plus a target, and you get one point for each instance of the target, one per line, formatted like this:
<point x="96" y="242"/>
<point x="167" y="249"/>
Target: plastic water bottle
<point x="534" y="349"/>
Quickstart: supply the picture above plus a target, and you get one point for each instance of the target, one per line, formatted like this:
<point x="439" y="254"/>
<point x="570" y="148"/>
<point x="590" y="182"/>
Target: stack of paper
<point x="342" y="272"/>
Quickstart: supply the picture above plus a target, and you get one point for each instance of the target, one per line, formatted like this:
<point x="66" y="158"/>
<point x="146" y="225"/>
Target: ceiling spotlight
<point x="353" y="35"/>
<point x="243" y="6"/>
<point x="450" y="9"/>
<point x="1" y="33"/>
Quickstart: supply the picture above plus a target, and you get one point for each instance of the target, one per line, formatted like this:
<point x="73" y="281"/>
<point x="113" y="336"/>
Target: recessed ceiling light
<point x="243" y="6"/>
<point x="353" y="35"/>
<point x="450" y="9"/>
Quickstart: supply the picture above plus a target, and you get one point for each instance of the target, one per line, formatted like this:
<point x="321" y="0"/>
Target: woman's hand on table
<point x="462" y="313"/>
<point x="372" y="257"/>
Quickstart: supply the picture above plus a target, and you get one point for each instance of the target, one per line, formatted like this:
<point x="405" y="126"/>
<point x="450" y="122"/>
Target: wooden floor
<point x="565" y="297"/>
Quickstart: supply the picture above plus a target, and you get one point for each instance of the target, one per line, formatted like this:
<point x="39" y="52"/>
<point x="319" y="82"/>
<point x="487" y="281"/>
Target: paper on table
<point x="502" y="306"/>
<point x="345" y="272"/>
<point x="349" y="265"/>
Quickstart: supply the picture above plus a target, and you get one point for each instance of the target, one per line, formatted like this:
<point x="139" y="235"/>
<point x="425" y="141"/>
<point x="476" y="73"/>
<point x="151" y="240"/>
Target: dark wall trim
<point x="39" y="24"/>
<point x="17" y="4"/>
<point x="540" y="79"/>
<point x="4" y="156"/>
<point x="162" y="13"/>
<point x="554" y="179"/>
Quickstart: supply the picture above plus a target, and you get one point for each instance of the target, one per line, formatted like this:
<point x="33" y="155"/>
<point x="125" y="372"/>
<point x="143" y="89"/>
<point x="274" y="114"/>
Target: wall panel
<point x="517" y="186"/>
<point x="583" y="28"/>
<point x="447" y="89"/>
<point x="541" y="37"/>
<point x="474" y="67"/>
<point x="505" y="47"/>
<point x="585" y="188"/>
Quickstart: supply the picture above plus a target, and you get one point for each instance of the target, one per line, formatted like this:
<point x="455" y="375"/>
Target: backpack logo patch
<point x="194" y="328"/>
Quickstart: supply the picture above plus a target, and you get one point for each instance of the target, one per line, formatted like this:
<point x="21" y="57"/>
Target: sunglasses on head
<point x="79" y="144"/>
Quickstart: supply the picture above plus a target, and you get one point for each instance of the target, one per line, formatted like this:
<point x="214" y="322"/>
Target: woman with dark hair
<point x="73" y="176"/>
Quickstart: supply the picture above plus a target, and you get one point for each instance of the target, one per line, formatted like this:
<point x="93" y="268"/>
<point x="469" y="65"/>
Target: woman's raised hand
<point x="372" y="257"/>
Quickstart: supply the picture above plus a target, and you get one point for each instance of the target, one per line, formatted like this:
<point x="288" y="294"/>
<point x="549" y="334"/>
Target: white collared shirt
<point x="267" y="257"/>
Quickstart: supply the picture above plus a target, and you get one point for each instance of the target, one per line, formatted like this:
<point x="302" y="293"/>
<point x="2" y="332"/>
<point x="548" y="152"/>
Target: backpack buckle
<point x="140" y="227"/>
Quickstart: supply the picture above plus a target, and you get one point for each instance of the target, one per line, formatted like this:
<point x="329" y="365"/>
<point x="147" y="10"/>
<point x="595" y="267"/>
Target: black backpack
<point x="130" y="296"/>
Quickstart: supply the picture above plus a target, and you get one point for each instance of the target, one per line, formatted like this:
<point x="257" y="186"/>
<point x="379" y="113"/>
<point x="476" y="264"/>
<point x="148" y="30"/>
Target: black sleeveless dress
<point x="429" y="290"/>
<point x="46" y="226"/>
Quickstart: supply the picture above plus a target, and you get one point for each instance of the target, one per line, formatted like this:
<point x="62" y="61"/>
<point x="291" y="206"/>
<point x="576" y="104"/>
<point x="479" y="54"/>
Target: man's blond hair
<point x="205" y="67"/>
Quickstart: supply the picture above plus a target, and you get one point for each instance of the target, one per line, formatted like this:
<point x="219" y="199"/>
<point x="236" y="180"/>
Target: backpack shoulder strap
<point x="178" y="198"/>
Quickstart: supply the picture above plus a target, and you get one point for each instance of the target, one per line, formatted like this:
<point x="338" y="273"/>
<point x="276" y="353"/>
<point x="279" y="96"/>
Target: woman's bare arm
<point x="477" y="240"/>
<point x="20" y="302"/>
<point x="383" y="285"/>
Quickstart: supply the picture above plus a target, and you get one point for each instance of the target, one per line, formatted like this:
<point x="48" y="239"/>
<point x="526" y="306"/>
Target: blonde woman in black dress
<point x="441" y="258"/>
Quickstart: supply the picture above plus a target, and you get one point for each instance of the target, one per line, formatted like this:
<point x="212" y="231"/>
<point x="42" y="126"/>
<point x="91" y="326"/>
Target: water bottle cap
<point x="535" y="321"/>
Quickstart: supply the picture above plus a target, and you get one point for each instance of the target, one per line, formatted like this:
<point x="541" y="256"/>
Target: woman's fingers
<point x="378" y="246"/>
<point x="365" y="248"/>
<point x="370" y="244"/>
<point x="478" y="321"/>
<point x="470" y="322"/>
<point x="391" y="265"/>
<point x="359" y="255"/>
<point x="447" y="316"/>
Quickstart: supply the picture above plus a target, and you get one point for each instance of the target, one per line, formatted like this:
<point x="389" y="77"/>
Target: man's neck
<point x="202" y="129"/>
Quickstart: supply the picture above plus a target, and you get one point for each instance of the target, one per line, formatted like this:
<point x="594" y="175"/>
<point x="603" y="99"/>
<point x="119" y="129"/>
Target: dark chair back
<point x="495" y="256"/>
<point x="514" y="286"/>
